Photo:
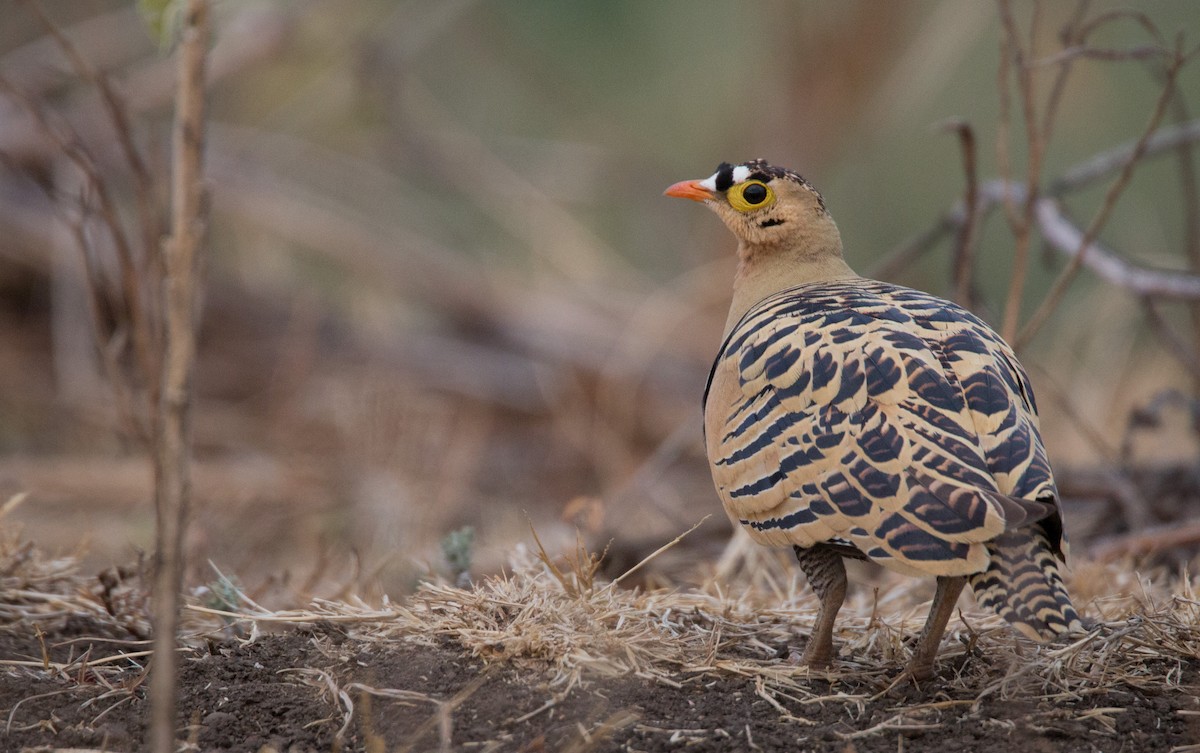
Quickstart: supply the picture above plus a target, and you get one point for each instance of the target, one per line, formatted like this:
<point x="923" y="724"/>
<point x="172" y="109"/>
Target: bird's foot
<point x="809" y="657"/>
<point x="919" y="671"/>
<point x="817" y="656"/>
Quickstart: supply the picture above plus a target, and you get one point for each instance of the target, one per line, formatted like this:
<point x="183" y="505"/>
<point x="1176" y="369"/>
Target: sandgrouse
<point x="854" y="418"/>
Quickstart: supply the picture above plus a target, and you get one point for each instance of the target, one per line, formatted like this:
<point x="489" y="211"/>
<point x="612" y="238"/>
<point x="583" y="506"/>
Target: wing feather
<point x="876" y="415"/>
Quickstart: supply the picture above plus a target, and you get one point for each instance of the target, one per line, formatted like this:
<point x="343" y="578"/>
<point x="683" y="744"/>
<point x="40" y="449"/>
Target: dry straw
<point x="552" y="617"/>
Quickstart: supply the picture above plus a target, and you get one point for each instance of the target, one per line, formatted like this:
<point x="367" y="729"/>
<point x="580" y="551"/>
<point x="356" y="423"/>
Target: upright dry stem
<point x="964" y="243"/>
<point x="1190" y="195"/>
<point x="1022" y="222"/>
<point x="172" y="439"/>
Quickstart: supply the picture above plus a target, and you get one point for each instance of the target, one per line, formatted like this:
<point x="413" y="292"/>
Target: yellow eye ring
<point x="750" y="195"/>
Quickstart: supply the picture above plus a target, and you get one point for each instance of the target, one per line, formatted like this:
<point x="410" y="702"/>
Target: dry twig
<point x="964" y="243"/>
<point x="182" y="254"/>
<point x="1115" y="189"/>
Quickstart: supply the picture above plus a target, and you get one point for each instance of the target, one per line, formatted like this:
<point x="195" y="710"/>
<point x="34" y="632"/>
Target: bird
<point x="854" y="418"/>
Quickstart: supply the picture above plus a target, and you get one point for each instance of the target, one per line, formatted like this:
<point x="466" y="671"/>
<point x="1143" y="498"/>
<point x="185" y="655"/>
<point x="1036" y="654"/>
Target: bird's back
<point x="896" y="423"/>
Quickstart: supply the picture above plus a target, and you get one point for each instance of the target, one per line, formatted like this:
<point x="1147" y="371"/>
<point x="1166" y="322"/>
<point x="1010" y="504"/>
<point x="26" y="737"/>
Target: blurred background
<point x="444" y="289"/>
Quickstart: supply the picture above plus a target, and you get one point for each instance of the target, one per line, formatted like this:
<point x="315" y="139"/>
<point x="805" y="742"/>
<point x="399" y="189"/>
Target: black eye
<point x="755" y="193"/>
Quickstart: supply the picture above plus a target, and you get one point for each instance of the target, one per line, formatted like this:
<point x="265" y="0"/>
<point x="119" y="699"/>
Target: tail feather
<point x="1023" y="585"/>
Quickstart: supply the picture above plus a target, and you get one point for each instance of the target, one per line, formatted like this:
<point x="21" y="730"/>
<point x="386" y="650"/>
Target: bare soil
<point x="278" y="692"/>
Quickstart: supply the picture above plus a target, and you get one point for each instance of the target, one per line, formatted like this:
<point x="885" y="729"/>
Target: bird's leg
<point x="948" y="589"/>
<point x="827" y="575"/>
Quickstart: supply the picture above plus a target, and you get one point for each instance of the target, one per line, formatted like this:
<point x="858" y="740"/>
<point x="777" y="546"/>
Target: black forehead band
<point x="724" y="176"/>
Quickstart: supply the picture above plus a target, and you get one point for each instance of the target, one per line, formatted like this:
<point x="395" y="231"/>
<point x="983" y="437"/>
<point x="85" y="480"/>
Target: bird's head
<point x="785" y="236"/>
<point x="762" y="204"/>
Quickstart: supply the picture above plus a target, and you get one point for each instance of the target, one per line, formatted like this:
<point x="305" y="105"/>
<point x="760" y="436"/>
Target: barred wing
<point x="876" y="415"/>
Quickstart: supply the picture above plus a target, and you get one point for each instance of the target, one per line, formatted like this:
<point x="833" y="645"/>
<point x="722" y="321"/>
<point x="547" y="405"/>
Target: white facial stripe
<point x="740" y="173"/>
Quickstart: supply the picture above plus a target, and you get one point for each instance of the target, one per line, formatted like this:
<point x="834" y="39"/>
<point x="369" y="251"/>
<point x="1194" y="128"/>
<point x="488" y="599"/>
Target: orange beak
<point x="689" y="189"/>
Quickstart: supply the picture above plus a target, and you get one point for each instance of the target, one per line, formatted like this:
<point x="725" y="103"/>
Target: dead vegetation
<point x="407" y="335"/>
<point x="565" y="632"/>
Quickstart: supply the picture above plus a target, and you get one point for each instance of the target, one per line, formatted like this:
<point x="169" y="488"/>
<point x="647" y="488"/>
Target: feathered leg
<point x="826" y="574"/>
<point x="948" y="589"/>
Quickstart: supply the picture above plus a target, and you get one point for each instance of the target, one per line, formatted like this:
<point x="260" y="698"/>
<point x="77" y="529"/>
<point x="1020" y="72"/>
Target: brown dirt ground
<point x="250" y="697"/>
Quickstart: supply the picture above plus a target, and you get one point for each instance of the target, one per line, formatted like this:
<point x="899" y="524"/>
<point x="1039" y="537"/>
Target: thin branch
<point x="67" y="141"/>
<point x="1116" y="188"/>
<point x="1059" y="231"/>
<point x="109" y="344"/>
<point x="181" y="267"/>
<point x="1004" y="126"/>
<point x="1176" y="345"/>
<point x="1123" y="14"/>
<point x="1144" y="52"/>
<point x="964" y="243"/>
<point x="1022" y="221"/>
<point x="115" y="109"/>
<point x="1068" y="35"/>
<point x="145" y="339"/>
<point x="1065" y="237"/>
<point x="1104" y="163"/>
<point x="1190" y="198"/>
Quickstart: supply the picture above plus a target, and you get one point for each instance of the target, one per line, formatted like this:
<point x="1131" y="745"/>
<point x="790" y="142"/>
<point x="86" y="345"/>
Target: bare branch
<point x="110" y="345"/>
<point x="1175" y="344"/>
<point x="67" y="141"/>
<point x="1067" y="238"/>
<point x="1004" y="126"/>
<point x="118" y="115"/>
<point x="964" y="244"/>
<point x="1115" y="189"/>
<point x="1123" y="14"/>
<point x="1068" y="36"/>
<point x="1059" y="231"/>
<point x="1162" y="140"/>
<point x="253" y="34"/>
<point x="1190" y="190"/>
<point x="108" y="39"/>
<point x="1022" y="221"/>
<point x="1145" y="52"/>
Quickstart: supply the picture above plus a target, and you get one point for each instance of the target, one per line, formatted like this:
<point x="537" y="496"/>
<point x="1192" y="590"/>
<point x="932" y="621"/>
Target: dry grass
<point x="1143" y="630"/>
<point x="554" y="617"/>
<point x="553" y="613"/>
<point x="555" y="622"/>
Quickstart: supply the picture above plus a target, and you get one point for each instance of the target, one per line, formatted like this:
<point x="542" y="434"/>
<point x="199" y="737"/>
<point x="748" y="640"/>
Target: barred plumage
<point x="894" y="421"/>
<point x="847" y="416"/>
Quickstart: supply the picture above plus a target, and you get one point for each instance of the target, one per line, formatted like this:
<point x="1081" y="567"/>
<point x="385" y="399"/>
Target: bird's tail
<point x="1022" y="584"/>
